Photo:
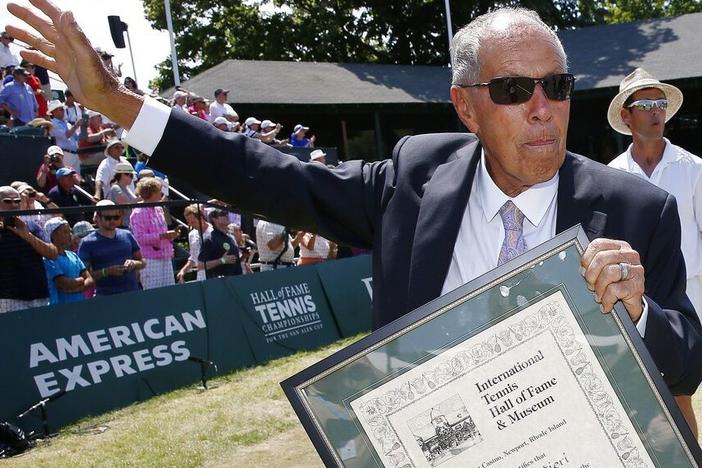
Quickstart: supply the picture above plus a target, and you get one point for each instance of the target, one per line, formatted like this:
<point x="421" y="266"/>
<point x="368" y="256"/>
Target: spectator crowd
<point x="106" y="242"/>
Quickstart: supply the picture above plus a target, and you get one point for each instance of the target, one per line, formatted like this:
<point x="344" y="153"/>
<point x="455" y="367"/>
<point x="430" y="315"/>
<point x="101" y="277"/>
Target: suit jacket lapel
<point x="576" y="195"/>
<point x="440" y="213"/>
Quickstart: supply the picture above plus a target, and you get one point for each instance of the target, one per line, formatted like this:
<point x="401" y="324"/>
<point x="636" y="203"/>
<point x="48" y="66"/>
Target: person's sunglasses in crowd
<point x="647" y="105"/>
<point x="116" y="217"/>
<point x="11" y="201"/>
<point x="519" y="89"/>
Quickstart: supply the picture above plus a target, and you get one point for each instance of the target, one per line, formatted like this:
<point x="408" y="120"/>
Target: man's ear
<point x="625" y="114"/>
<point x="465" y="108"/>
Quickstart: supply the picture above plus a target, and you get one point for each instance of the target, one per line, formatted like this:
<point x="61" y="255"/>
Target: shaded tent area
<point x="363" y="109"/>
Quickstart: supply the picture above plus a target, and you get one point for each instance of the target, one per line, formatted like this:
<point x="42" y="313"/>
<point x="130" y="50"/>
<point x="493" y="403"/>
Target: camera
<point x="9" y="221"/>
<point x="182" y="231"/>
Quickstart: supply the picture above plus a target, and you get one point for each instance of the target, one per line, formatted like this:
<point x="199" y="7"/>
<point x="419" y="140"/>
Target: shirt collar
<point x="670" y="155"/>
<point x="533" y="202"/>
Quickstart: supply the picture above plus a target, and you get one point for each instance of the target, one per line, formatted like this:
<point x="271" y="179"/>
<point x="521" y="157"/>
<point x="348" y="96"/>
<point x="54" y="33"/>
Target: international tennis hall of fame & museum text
<point x="526" y="374"/>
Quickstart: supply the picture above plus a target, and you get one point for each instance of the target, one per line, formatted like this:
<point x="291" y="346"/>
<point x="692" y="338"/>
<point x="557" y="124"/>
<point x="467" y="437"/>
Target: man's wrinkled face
<point x="647" y="125"/>
<point x="524" y="143"/>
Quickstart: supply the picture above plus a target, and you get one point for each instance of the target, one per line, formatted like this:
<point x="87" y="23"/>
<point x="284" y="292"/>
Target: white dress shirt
<point x="679" y="173"/>
<point x="481" y="233"/>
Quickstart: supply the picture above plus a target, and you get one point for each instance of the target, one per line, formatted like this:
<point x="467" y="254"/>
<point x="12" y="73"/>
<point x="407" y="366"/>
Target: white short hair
<point x="466" y="43"/>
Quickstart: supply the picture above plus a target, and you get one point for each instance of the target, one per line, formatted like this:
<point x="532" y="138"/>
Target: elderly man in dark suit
<point x="436" y="213"/>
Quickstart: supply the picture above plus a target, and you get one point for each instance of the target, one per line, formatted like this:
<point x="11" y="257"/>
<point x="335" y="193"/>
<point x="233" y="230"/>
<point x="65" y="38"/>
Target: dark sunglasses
<point x="16" y="201"/>
<point x="110" y="217"/>
<point x="646" y="105"/>
<point x="519" y="89"/>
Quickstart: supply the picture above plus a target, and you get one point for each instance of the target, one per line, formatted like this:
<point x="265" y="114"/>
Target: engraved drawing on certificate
<point x="445" y="430"/>
<point x="528" y="392"/>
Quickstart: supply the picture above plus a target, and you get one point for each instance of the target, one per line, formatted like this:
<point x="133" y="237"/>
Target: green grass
<point x="244" y="420"/>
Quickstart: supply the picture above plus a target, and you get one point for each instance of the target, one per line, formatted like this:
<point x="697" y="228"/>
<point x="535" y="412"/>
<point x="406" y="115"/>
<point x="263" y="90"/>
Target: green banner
<point x="90" y="357"/>
<point x="284" y="311"/>
<point x="348" y="284"/>
<point x="104" y="353"/>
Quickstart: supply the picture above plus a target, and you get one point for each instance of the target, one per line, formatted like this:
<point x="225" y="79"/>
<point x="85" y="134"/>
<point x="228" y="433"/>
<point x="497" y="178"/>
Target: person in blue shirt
<point x="298" y="138"/>
<point x="66" y="276"/>
<point x="19" y="98"/>
<point x="111" y="254"/>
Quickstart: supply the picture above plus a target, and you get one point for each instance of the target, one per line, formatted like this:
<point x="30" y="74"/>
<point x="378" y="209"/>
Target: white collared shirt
<point x="7" y="58"/>
<point x="481" y="233"/>
<point x="679" y="173"/>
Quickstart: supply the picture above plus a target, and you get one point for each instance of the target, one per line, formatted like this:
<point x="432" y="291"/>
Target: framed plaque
<point x="518" y="368"/>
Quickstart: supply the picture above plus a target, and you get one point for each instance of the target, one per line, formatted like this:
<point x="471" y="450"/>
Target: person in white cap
<point x="252" y="127"/>
<point x="641" y="109"/>
<point x="269" y="131"/>
<point x="46" y="174"/>
<point x="65" y="134"/>
<point x="180" y="101"/>
<point x="106" y="169"/>
<point x="66" y="276"/>
<point x="221" y="123"/>
<point x="299" y="139"/>
<point x="318" y="156"/>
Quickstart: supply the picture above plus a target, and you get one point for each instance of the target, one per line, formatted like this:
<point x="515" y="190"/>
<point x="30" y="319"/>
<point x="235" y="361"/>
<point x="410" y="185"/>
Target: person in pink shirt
<point x="149" y="227"/>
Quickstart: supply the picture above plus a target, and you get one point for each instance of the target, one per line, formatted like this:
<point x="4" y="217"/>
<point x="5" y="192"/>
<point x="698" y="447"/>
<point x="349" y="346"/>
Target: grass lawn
<point x="244" y="420"/>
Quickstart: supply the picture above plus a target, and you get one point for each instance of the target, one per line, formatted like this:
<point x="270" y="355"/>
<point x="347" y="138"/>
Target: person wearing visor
<point x="445" y="208"/>
<point x="641" y="109"/>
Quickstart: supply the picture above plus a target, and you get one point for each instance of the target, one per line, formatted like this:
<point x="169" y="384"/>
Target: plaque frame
<point x="330" y="446"/>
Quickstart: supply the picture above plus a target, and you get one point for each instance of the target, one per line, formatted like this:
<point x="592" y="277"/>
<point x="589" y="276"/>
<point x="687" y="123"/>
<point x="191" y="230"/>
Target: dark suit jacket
<point x="408" y="210"/>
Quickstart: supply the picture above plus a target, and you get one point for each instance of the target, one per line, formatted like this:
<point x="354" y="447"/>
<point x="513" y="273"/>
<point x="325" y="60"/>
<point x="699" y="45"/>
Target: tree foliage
<point x="625" y="11"/>
<point x="367" y="31"/>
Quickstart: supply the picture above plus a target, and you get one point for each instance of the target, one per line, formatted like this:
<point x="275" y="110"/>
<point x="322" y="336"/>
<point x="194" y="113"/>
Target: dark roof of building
<point x="322" y="83"/>
<point x="599" y="56"/>
<point x="668" y="48"/>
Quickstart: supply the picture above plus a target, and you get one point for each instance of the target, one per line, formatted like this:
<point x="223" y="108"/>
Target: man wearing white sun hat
<point x="641" y="109"/>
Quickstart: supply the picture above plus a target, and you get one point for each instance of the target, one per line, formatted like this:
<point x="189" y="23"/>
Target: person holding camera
<point x="276" y="249"/>
<point x="22" y="249"/>
<point x="65" y="134"/>
<point x="46" y="174"/>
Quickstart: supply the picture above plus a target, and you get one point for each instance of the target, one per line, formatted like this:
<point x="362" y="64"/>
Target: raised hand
<point x="64" y="49"/>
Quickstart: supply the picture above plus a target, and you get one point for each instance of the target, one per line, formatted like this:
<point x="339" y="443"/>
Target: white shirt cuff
<point x="641" y="324"/>
<point x="147" y="131"/>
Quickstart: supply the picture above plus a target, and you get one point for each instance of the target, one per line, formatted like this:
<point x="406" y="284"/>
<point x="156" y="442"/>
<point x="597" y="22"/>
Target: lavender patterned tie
<point x="514" y="243"/>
